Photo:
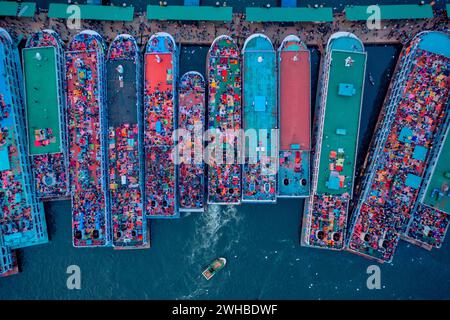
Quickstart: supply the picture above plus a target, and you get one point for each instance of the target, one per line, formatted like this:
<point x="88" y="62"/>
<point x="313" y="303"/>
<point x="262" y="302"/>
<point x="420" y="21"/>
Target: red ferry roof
<point x="155" y="72"/>
<point x="295" y="109"/>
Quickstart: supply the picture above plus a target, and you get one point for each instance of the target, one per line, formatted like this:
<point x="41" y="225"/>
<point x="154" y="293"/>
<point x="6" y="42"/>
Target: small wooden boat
<point x="214" y="267"/>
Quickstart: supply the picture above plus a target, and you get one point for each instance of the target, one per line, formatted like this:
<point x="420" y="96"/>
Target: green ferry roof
<point x="447" y="8"/>
<point x="440" y="177"/>
<point x="196" y="13"/>
<point x="341" y="123"/>
<point x="390" y="12"/>
<point x="93" y="12"/>
<point x="17" y="9"/>
<point x="260" y="85"/>
<point x="42" y="107"/>
<point x="289" y="14"/>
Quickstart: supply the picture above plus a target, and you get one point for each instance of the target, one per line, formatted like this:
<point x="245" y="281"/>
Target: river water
<point x="260" y="242"/>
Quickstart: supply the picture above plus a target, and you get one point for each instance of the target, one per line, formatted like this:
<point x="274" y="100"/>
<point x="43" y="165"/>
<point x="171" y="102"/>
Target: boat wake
<point x="210" y="230"/>
<point x="214" y="230"/>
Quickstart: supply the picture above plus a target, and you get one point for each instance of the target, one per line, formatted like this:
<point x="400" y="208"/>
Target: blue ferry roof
<point x="346" y="43"/>
<point x="420" y="153"/>
<point x="436" y="42"/>
<point x="4" y="160"/>
<point x="413" y="181"/>
<point x="258" y="42"/>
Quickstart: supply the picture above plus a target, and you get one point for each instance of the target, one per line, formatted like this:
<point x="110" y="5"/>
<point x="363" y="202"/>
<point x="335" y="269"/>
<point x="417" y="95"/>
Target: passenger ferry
<point x="191" y="118"/>
<point x="125" y="147"/>
<point x="400" y="153"/>
<point x="336" y="140"/>
<point x="45" y="99"/>
<point x="224" y="118"/>
<point x="430" y="216"/>
<point x="160" y="121"/>
<point x="260" y="120"/>
<point x="22" y="222"/>
<point x="294" y="94"/>
<point x="86" y="91"/>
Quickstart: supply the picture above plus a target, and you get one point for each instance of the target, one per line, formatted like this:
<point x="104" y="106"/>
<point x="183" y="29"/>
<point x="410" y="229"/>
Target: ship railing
<point x="319" y="135"/>
<point x="14" y="79"/>
<point x="385" y="129"/>
<point x="6" y="258"/>
<point x="104" y="146"/>
<point x="321" y="117"/>
<point x="438" y="145"/>
<point x="391" y="107"/>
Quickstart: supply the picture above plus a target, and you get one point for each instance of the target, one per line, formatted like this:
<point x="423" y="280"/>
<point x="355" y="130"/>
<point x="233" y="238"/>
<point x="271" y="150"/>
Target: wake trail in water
<point x="216" y="224"/>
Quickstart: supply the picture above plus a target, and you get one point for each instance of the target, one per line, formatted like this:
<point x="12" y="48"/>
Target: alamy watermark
<point x="217" y="147"/>
<point x="374" y="279"/>
<point x="74" y="278"/>
<point x="74" y="18"/>
<point x="374" y="20"/>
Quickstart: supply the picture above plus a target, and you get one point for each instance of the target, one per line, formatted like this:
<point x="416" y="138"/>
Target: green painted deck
<point x="438" y="179"/>
<point x="92" y="12"/>
<point x="390" y="12"/>
<point x="16" y="9"/>
<point x="195" y="13"/>
<point x="42" y="106"/>
<point x="289" y="14"/>
<point x="341" y="112"/>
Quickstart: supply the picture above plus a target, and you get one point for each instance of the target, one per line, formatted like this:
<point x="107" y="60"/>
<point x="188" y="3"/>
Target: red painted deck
<point x="295" y="95"/>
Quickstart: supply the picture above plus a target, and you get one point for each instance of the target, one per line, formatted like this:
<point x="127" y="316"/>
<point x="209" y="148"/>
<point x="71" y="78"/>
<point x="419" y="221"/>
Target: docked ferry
<point x="294" y="76"/>
<point x="336" y="140"/>
<point x="125" y="147"/>
<point x="191" y="122"/>
<point x="160" y="121"/>
<point x="22" y="222"/>
<point x="409" y="127"/>
<point x="224" y="119"/>
<point x="45" y="100"/>
<point x="260" y="120"/>
<point x="86" y="80"/>
<point x="430" y="216"/>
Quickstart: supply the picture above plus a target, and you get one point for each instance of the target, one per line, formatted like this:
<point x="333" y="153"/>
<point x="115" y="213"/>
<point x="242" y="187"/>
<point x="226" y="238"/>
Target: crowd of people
<point x="124" y="47"/>
<point x="428" y="225"/>
<point x="259" y="180"/>
<point x="127" y="212"/>
<point x="83" y="90"/>
<point x="399" y="168"/>
<point x="224" y="113"/>
<point x="160" y="182"/>
<point x="328" y="221"/>
<point x="50" y="175"/>
<point x="191" y="181"/>
<point x="293" y="172"/>
<point x="16" y="213"/>
<point x="124" y="184"/>
<point x="159" y="125"/>
<point x="44" y="39"/>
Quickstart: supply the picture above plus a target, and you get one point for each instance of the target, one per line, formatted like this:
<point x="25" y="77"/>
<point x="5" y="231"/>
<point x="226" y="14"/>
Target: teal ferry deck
<point x="260" y="120"/>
